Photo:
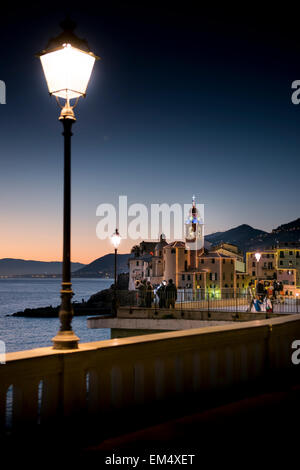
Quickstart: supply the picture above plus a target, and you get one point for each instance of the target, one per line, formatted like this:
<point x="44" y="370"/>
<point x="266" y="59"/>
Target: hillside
<point x="21" y="267"/>
<point x="242" y="236"/>
<point x="293" y="226"/>
<point x="104" y="266"/>
<point x="248" y="238"/>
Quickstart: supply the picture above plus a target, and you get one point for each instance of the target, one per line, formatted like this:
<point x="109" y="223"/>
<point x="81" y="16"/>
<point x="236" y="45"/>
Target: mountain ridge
<point x="23" y="267"/>
<point x="104" y="266"/>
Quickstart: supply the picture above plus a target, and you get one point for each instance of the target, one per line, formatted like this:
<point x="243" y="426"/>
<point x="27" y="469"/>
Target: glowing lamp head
<point x="257" y="256"/>
<point x="67" y="64"/>
<point x="116" y="239"/>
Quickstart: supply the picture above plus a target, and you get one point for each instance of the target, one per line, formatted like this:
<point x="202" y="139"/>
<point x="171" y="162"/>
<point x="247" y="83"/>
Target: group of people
<point x="264" y="294"/>
<point x="166" y="293"/>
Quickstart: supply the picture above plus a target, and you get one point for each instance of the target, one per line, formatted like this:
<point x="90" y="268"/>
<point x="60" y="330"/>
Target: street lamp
<point x="257" y="257"/>
<point x="115" y="239"/>
<point x="67" y="64"/>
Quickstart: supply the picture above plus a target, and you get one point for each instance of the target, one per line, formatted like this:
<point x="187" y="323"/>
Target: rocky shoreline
<point x="100" y="303"/>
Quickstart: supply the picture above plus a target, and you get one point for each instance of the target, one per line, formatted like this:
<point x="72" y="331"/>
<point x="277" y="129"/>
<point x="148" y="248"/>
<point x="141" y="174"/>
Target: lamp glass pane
<point x="67" y="71"/>
<point x="116" y="239"/>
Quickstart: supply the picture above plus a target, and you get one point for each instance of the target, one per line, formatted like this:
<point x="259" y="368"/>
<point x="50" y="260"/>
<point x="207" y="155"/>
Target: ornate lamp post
<point x="67" y="64"/>
<point x="115" y="239"/>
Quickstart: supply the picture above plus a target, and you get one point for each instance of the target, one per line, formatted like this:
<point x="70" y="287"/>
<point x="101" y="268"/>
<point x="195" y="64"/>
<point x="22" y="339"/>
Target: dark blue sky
<point x="184" y="102"/>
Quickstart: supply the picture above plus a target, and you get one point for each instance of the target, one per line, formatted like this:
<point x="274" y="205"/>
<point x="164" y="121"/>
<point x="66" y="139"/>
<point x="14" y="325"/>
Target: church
<point x="192" y="264"/>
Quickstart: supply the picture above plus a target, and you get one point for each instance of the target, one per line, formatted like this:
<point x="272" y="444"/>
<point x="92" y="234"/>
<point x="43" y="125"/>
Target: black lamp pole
<point x="66" y="338"/>
<point x="115" y="293"/>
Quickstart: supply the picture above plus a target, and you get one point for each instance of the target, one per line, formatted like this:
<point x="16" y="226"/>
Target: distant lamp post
<point x="257" y="257"/>
<point x="115" y="239"/>
<point x="67" y="64"/>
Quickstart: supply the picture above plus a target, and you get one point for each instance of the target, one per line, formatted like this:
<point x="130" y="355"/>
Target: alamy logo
<point x="2" y="352"/>
<point x="2" y="92"/>
<point x="176" y="221"/>
<point x="296" y="354"/>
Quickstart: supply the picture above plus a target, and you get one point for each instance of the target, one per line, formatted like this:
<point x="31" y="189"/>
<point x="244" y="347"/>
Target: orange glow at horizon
<point x="42" y="241"/>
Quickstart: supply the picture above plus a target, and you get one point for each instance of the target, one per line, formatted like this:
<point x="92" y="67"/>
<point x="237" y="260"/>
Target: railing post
<point x="181" y="308"/>
<point x="208" y="303"/>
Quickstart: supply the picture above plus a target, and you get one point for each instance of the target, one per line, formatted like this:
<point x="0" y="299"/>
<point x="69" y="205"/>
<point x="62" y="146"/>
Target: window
<point x="200" y="277"/>
<point x="237" y="285"/>
<point x="281" y="254"/>
<point x="281" y="263"/>
<point x="223" y="261"/>
<point x="290" y="253"/>
<point x="253" y="264"/>
<point x="173" y="251"/>
<point x="137" y="263"/>
<point x="253" y="273"/>
<point x="183" y="277"/>
<point x="202" y="261"/>
<point x="216" y="276"/>
<point x="231" y="261"/>
<point x="189" y="277"/>
<point x="213" y="260"/>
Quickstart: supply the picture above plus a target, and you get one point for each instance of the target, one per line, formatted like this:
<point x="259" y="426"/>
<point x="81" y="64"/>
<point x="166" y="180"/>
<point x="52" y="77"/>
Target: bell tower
<point x="194" y="234"/>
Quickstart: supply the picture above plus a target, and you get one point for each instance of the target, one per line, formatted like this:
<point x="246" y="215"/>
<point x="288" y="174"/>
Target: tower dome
<point x="158" y="250"/>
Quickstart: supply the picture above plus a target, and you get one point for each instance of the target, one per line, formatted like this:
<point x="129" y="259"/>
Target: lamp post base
<point x="65" y="340"/>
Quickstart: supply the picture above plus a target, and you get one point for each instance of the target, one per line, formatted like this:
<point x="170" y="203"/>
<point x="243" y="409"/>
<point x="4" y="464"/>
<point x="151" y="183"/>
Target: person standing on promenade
<point x="161" y="292"/>
<point x="142" y="293"/>
<point x="260" y="290"/>
<point x="171" y="294"/>
<point x="149" y="294"/>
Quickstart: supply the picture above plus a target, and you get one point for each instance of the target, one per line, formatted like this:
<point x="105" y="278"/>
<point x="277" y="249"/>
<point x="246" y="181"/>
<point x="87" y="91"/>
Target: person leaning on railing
<point x="171" y="294"/>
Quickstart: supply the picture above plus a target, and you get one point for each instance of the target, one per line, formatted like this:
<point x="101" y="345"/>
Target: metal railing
<point x="227" y="299"/>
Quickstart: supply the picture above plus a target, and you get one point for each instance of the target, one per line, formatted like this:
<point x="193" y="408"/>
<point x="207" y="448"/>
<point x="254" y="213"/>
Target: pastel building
<point x="263" y="267"/>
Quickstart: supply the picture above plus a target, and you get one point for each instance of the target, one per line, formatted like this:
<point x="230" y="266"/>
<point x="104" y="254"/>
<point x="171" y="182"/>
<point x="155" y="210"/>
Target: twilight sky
<point x="184" y="102"/>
